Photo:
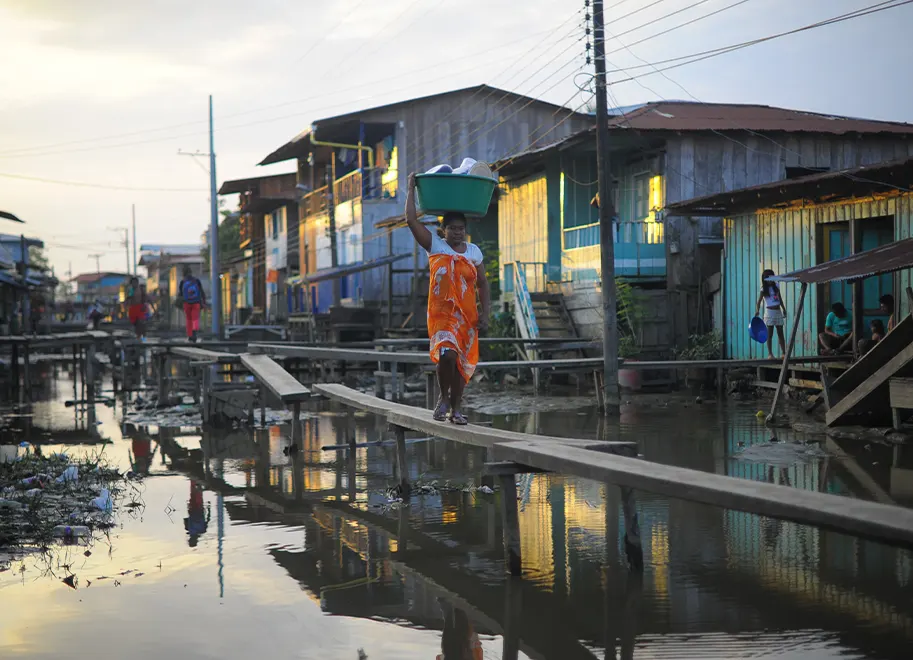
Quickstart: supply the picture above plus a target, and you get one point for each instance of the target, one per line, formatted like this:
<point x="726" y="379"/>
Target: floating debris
<point x="781" y="453"/>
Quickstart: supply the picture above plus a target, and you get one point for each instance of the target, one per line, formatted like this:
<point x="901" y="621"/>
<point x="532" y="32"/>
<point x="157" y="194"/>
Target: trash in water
<point x="71" y="532"/>
<point x="485" y="490"/>
<point x="70" y="474"/>
<point x="780" y="453"/>
<point x="103" y="502"/>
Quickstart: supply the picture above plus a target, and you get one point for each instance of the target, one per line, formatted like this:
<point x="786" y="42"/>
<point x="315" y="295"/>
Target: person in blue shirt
<point x="838" y="331"/>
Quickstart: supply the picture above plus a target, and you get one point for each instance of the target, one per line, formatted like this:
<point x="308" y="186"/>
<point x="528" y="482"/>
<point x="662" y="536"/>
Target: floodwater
<point x="240" y="550"/>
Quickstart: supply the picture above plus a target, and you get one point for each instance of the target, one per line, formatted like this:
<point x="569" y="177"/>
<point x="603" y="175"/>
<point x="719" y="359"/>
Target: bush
<point x="708" y="346"/>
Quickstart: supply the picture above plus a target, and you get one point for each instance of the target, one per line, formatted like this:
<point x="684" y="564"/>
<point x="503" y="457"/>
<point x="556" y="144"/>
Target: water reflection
<point x="311" y="535"/>
<point x="437" y="561"/>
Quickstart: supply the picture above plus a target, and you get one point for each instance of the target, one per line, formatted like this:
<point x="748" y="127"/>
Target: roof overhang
<point x="880" y="178"/>
<point x="883" y="259"/>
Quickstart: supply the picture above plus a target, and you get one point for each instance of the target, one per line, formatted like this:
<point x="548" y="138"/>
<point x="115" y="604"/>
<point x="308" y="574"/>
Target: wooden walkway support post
<point x="402" y="468"/>
<point x="511" y="523"/>
<point x="784" y="370"/>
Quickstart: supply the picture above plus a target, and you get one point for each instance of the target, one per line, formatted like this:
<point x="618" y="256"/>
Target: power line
<point x="95" y="185"/>
<point x="708" y="54"/>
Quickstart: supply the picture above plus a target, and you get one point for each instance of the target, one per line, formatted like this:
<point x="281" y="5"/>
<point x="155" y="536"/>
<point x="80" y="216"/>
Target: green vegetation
<point x="707" y="346"/>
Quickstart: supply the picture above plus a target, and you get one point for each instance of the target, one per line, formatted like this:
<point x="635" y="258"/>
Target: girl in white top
<point x="774" y="311"/>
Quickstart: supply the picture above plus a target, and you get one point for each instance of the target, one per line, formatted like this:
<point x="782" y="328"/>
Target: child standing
<point x="774" y="311"/>
<point x="136" y="307"/>
<point x="194" y="299"/>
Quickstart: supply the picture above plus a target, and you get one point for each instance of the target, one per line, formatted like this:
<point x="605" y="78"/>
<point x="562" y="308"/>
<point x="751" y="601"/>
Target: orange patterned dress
<point x="453" y="317"/>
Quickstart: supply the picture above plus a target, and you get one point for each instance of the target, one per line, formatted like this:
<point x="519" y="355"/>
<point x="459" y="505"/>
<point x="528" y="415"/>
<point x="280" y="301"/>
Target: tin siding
<point x="523" y="222"/>
<point x="786" y="241"/>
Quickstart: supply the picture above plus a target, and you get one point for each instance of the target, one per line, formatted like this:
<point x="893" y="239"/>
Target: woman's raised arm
<point x="420" y="231"/>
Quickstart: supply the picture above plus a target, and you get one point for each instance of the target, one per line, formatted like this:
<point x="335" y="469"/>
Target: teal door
<point x="873" y="288"/>
<point x="837" y="245"/>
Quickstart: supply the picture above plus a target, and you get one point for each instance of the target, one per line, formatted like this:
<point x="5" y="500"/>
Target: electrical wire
<point x="698" y="57"/>
<point x="96" y="185"/>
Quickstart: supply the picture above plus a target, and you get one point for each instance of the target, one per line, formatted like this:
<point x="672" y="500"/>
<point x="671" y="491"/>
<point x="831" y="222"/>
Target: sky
<point x="106" y="92"/>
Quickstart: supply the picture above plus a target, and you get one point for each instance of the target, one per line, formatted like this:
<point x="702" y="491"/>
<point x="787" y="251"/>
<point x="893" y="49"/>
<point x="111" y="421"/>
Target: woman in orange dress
<point x="454" y="322"/>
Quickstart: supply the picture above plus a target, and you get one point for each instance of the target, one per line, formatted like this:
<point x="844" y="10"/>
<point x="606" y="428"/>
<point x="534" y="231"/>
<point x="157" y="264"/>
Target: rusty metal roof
<point x="255" y="183"/>
<point x="883" y="259"/>
<point x="895" y="175"/>
<point x="658" y="116"/>
<point x="692" y="116"/>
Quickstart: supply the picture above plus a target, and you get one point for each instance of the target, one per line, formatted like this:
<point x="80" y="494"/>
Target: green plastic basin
<point x="454" y="193"/>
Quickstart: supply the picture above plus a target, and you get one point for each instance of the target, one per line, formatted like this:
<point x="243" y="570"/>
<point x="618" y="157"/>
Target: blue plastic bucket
<point x="757" y="330"/>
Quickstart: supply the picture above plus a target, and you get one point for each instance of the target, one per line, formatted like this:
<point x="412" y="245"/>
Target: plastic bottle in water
<point x="71" y="531"/>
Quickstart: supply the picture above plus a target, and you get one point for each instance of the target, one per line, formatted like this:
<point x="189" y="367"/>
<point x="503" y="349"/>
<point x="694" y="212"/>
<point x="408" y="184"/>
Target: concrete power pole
<point x="97" y="257"/>
<point x="133" y="213"/>
<point x="606" y="214"/>
<point x="215" y="283"/>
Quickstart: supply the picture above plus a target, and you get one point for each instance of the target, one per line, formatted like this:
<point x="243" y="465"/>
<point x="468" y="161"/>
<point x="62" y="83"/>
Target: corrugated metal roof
<point x="252" y="183"/>
<point x="693" y="116"/>
<point x="293" y="148"/>
<point x="826" y="186"/>
<point x="883" y="259"/>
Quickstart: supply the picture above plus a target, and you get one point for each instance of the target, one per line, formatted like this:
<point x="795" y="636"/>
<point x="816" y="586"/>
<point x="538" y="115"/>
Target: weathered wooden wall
<point x="786" y="241"/>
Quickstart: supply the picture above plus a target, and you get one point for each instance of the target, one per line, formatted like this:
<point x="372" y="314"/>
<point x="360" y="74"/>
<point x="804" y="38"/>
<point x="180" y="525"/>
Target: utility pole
<point x="26" y="302"/>
<point x="215" y="288"/>
<point x="97" y="262"/>
<point x="133" y="212"/>
<point x="331" y="212"/>
<point x="606" y="213"/>
<point x="125" y="242"/>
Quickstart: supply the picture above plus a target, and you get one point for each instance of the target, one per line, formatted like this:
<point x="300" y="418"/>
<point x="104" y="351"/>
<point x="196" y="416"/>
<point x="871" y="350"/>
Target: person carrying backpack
<point x="194" y="299"/>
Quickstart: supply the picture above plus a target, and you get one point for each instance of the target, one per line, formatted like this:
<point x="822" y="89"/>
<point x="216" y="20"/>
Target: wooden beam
<point x="511" y="524"/>
<point x="869" y="389"/>
<point x="500" y="468"/>
<point x="784" y="370"/>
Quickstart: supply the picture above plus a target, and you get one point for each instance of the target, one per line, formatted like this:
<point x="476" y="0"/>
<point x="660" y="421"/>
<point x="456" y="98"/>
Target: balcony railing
<point x="366" y="184"/>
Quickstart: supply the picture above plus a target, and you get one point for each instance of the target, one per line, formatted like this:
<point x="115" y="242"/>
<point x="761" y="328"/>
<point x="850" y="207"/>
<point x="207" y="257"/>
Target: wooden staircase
<point x="863" y="388"/>
<point x="552" y="315"/>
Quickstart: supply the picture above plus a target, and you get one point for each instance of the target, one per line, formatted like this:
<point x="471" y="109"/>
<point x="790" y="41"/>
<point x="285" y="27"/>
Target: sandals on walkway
<point x="458" y="418"/>
<point x="440" y="413"/>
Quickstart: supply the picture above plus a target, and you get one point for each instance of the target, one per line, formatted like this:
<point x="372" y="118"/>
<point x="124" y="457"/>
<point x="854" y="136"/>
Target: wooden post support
<point x="26" y="372"/>
<point x="90" y="373"/>
<point x="205" y="392"/>
<point x="511" y="524"/>
<point x="262" y="406"/>
<point x="394" y="382"/>
<point x="430" y="394"/>
<point x="163" y="378"/>
<point x="296" y="423"/>
<point x="402" y="468"/>
<point x="720" y="384"/>
<point x="510" y="649"/>
<point x="909" y="302"/>
<point x="784" y="369"/>
<point x="15" y="369"/>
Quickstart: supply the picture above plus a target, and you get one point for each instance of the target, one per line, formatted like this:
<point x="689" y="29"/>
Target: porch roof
<point x="862" y="181"/>
<point x="883" y="259"/>
<point x="10" y="216"/>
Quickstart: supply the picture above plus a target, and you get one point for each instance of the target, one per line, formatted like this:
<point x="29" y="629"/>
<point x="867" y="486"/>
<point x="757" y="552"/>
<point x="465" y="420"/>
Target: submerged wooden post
<point x="511" y="523"/>
<point x="430" y="394"/>
<point x="162" y="378"/>
<point x="402" y="468"/>
<point x="296" y="423"/>
<point x="26" y="372"/>
<point x="14" y="366"/>
<point x="784" y="369"/>
<point x="510" y="648"/>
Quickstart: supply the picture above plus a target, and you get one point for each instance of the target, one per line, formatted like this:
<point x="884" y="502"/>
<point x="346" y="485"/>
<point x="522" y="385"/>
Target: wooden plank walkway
<point x="881" y="522"/>
<point x="202" y="355"/>
<point x="277" y="380"/>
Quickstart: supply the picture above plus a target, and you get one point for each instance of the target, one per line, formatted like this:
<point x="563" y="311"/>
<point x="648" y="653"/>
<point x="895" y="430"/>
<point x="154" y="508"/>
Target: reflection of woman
<point x="459" y="641"/>
<point x="197" y="519"/>
<point x="141" y="459"/>
<point x="454" y="324"/>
